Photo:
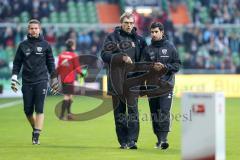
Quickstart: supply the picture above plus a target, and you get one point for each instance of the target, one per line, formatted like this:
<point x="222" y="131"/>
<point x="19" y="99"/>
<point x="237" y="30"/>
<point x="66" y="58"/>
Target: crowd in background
<point x="35" y="8"/>
<point x="215" y="11"/>
<point x="200" y="47"/>
<point x="88" y="42"/>
<point x="202" y="11"/>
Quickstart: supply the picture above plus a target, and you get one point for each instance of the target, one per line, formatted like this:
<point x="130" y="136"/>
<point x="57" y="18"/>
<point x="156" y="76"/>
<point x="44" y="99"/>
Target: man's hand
<point x="158" y="66"/>
<point x="127" y="59"/>
<point x="54" y="84"/>
<point x="14" y="83"/>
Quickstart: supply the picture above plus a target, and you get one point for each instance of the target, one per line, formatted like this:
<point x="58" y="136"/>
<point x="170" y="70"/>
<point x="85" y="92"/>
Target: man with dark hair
<point x="165" y="58"/>
<point x="35" y="55"/>
<point x="68" y="63"/>
<point x="127" y="128"/>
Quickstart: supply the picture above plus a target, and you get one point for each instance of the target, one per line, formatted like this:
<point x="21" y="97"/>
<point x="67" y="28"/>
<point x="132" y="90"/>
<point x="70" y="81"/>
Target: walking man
<point x="165" y="58"/>
<point x="127" y="128"/>
<point x="34" y="55"/>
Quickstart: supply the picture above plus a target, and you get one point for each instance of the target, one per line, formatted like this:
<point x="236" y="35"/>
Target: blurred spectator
<point x="159" y="16"/>
<point x="35" y="4"/>
<point x="26" y="5"/>
<point x="8" y="37"/>
<point x="84" y="41"/>
<point x="50" y="35"/>
<point x="219" y="11"/>
<point x="18" y="35"/>
<point x="16" y="8"/>
<point x="44" y="10"/>
<point x="61" y="5"/>
<point x="3" y="57"/>
<point x="138" y="21"/>
<point x="35" y="13"/>
<point x="201" y="47"/>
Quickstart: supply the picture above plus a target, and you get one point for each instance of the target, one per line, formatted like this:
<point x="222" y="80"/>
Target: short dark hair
<point x="157" y="25"/>
<point x="34" y="21"/>
<point x="69" y="44"/>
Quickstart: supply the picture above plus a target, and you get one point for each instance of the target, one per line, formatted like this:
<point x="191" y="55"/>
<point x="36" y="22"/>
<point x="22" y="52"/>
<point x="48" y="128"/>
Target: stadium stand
<point x="191" y="25"/>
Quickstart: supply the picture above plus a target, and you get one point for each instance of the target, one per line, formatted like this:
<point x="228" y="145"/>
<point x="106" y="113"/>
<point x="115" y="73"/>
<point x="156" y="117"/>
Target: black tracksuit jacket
<point x="164" y="52"/>
<point x="36" y="57"/>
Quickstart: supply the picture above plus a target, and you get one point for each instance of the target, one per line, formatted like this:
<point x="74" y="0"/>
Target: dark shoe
<point x="123" y="146"/>
<point x="132" y="145"/>
<point x="157" y="145"/>
<point x="35" y="138"/>
<point x="164" y="145"/>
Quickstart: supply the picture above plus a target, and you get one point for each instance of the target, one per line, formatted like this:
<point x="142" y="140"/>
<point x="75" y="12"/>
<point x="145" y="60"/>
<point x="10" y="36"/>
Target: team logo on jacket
<point x="27" y="52"/>
<point x="164" y="51"/>
<point x="39" y="49"/>
<point x="152" y="55"/>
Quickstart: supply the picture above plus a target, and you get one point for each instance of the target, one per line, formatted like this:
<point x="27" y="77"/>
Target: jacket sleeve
<point x="107" y="55"/>
<point x="145" y="55"/>
<point x="143" y="49"/>
<point x="17" y="62"/>
<point x="58" y="69"/>
<point x="175" y="64"/>
<point x="50" y="61"/>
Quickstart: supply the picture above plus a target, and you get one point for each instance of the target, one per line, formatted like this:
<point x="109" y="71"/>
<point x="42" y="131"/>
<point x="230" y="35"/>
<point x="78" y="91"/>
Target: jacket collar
<point x="119" y="30"/>
<point x="159" y="43"/>
<point x="34" y="39"/>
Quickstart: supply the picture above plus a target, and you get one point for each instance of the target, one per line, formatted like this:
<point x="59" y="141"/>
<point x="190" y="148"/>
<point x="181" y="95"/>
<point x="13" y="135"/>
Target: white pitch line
<point x="10" y="104"/>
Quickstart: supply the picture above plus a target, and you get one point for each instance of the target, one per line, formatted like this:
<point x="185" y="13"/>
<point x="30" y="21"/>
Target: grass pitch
<point x="96" y="139"/>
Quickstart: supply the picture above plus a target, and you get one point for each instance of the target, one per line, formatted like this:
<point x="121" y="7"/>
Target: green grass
<point x="95" y="139"/>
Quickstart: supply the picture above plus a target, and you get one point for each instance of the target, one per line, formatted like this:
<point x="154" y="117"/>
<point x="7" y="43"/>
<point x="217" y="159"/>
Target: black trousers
<point x="160" y="114"/>
<point x="34" y="97"/>
<point x="126" y="119"/>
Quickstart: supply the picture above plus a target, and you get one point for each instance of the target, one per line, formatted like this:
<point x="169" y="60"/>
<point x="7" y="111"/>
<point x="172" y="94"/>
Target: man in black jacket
<point x="165" y="58"/>
<point x="35" y="55"/>
<point x="127" y="127"/>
